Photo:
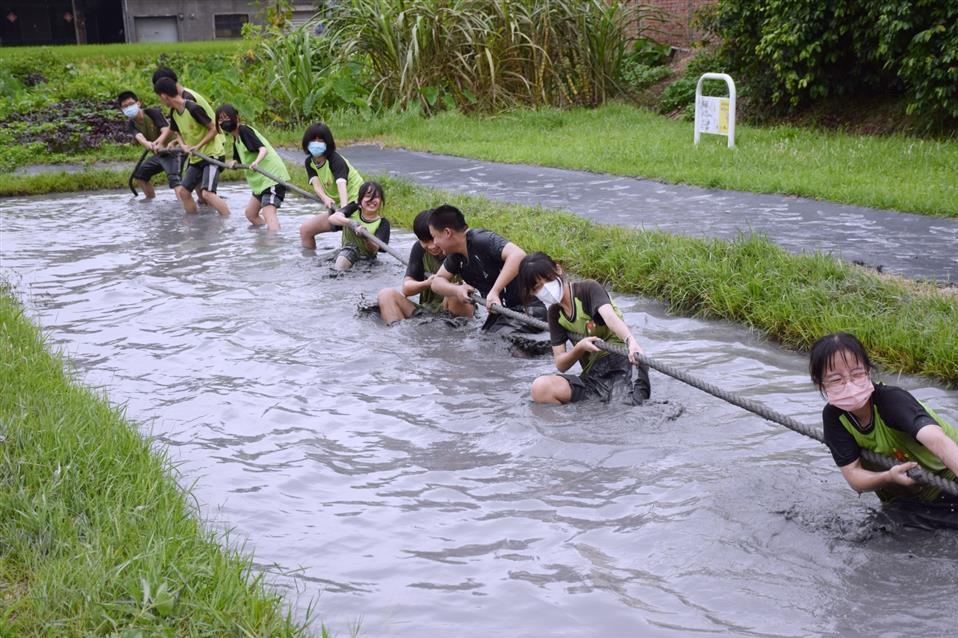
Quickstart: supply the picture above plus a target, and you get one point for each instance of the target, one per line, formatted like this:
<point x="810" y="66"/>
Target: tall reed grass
<point x="484" y="54"/>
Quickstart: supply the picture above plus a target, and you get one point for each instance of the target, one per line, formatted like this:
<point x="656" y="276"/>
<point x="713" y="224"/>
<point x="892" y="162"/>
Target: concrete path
<point x="914" y="246"/>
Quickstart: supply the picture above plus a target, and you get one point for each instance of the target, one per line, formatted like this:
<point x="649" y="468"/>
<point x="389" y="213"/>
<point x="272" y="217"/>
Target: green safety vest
<point x="903" y="447"/>
<point x="584" y="324"/>
<point x="272" y="163"/>
<point x="192" y="132"/>
<point x="202" y="101"/>
<point x="428" y="297"/>
<point x="353" y="182"/>
<point x="350" y="238"/>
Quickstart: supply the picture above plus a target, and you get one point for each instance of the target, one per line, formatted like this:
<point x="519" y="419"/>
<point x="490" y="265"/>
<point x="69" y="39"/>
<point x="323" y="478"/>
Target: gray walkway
<point x="911" y="245"/>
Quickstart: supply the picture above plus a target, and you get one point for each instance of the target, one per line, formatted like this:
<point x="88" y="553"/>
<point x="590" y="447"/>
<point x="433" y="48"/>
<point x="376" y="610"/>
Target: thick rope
<point x="355" y="226"/>
<point x="918" y="474"/>
<point x="139" y="163"/>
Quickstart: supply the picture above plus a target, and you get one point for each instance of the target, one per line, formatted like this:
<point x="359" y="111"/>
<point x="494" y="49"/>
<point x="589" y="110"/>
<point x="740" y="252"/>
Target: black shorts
<point x="202" y="175"/>
<point x="352" y="255"/>
<point x="156" y="164"/>
<point x="272" y="196"/>
<point x="610" y="376"/>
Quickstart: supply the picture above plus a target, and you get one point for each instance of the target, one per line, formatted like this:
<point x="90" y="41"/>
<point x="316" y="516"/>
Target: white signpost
<point x="715" y="115"/>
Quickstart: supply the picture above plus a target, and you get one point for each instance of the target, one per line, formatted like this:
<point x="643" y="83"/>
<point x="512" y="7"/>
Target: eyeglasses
<point x="837" y="381"/>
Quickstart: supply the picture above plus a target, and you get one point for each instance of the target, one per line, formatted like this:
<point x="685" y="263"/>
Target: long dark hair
<point x="420" y="225"/>
<point x="825" y="349"/>
<point x="532" y="269"/>
<point x="319" y="131"/>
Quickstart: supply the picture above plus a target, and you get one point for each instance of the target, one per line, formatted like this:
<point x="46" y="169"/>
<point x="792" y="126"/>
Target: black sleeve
<point x="453" y="264"/>
<point x="350" y="209"/>
<point x="197" y="113"/>
<point x="250" y="140"/>
<point x="593" y="297"/>
<point x="490" y="243"/>
<point x="382" y="232"/>
<point x="840" y="442"/>
<point x="157" y="116"/>
<point x="173" y="124"/>
<point x="310" y="169"/>
<point x="415" y="268"/>
<point x="186" y="95"/>
<point x="131" y="126"/>
<point x="235" y="152"/>
<point x="557" y="334"/>
<point x="900" y="410"/>
<point x="338" y="166"/>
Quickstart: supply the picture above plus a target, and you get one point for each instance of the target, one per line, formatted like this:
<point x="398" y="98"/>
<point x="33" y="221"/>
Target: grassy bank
<point x="894" y="172"/>
<point x="95" y="536"/>
<point x="794" y="299"/>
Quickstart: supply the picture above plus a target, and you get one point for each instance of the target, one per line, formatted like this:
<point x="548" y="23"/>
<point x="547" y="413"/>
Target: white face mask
<point x="131" y="110"/>
<point x="550" y="293"/>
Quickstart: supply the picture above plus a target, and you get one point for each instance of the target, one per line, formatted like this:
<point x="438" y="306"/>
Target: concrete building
<point x="36" y="22"/>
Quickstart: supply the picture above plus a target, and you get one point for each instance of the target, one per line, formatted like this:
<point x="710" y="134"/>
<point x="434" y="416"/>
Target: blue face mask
<point x="316" y="148"/>
<point x="131" y="110"/>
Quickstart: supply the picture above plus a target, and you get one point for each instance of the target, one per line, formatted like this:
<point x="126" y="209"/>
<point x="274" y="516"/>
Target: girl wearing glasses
<point x="864" y="415"/>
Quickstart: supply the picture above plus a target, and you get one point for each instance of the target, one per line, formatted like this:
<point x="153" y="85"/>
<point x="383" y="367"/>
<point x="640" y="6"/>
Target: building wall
<point x="677" y="30"/>
<point x="194" y="18"/>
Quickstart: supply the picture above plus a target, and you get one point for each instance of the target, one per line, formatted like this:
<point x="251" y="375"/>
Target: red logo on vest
<point x="899" y="455"/>
<point x="589" y="327"/>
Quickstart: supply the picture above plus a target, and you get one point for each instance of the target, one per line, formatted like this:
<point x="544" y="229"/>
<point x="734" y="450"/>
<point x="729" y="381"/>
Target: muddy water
<point x="401" y="480"/>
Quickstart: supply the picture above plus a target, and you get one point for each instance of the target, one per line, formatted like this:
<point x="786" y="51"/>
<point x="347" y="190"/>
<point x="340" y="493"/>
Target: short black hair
<point x="229" y="111"/>
<point x="372" y="189"/>
<point x="164" y="72"/>
<point x="166" y="86"/>
<point x="124" y="96"/>
<point x="420" y="225"/>
<point x="447" y="216"/>
<point x="320" y="131"/>
<point x="825" y="349"/>
<point x="534" y="268"/>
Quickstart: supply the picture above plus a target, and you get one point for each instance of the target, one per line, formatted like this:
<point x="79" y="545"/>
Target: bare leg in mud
<point x="312" y="227"/>
<point x="551" y="388"/>
<point x="147" y="187"/>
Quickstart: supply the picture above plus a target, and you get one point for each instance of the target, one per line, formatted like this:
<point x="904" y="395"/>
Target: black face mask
<point x="228" y="125"/>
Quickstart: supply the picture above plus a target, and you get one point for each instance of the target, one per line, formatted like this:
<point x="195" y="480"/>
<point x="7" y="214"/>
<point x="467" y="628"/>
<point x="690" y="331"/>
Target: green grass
<point x="894" y="172"/>
<point x="110" y="53"/>
<point x="793" y="299"/>
<point x="96" y="538"/>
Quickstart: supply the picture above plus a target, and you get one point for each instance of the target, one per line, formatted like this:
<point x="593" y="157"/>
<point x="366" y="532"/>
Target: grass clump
<point x="96" y="538"/>
<point x="794" y="299"/>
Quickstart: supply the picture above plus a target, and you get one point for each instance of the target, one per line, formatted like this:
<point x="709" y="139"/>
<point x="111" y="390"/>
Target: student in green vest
<point x="195" y="131"/>
<point x="582" y="307"/>
<point x="861" y="414"/>
<point x="252" y="149"/>
<point x="187" y="94"/>
<point x="369" y="203"/>
<point x="331" y="176"/>
<point x="425" y="259"/>
<point x="147" y="125"/>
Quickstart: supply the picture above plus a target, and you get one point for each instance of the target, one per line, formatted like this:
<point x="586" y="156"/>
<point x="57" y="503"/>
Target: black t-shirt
<point x="484" y="248"/>
<point x="196" y="112"/>
<point x="250" y="140"/>
<point x="898" y="409"/>
<point x="156" y="116"/>
<point x="415" y="268"/>
<point x="593" y="297"/>
<point x="337" y="166"/>
<point x="382" y="231"/>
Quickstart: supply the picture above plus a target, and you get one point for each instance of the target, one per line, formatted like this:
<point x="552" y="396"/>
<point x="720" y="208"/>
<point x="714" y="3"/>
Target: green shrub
<point x="796" y="52"/>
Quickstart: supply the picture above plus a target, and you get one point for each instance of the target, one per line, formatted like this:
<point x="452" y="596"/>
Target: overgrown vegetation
<point x="96" y="539"/>
<point x="796" y="52"/>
